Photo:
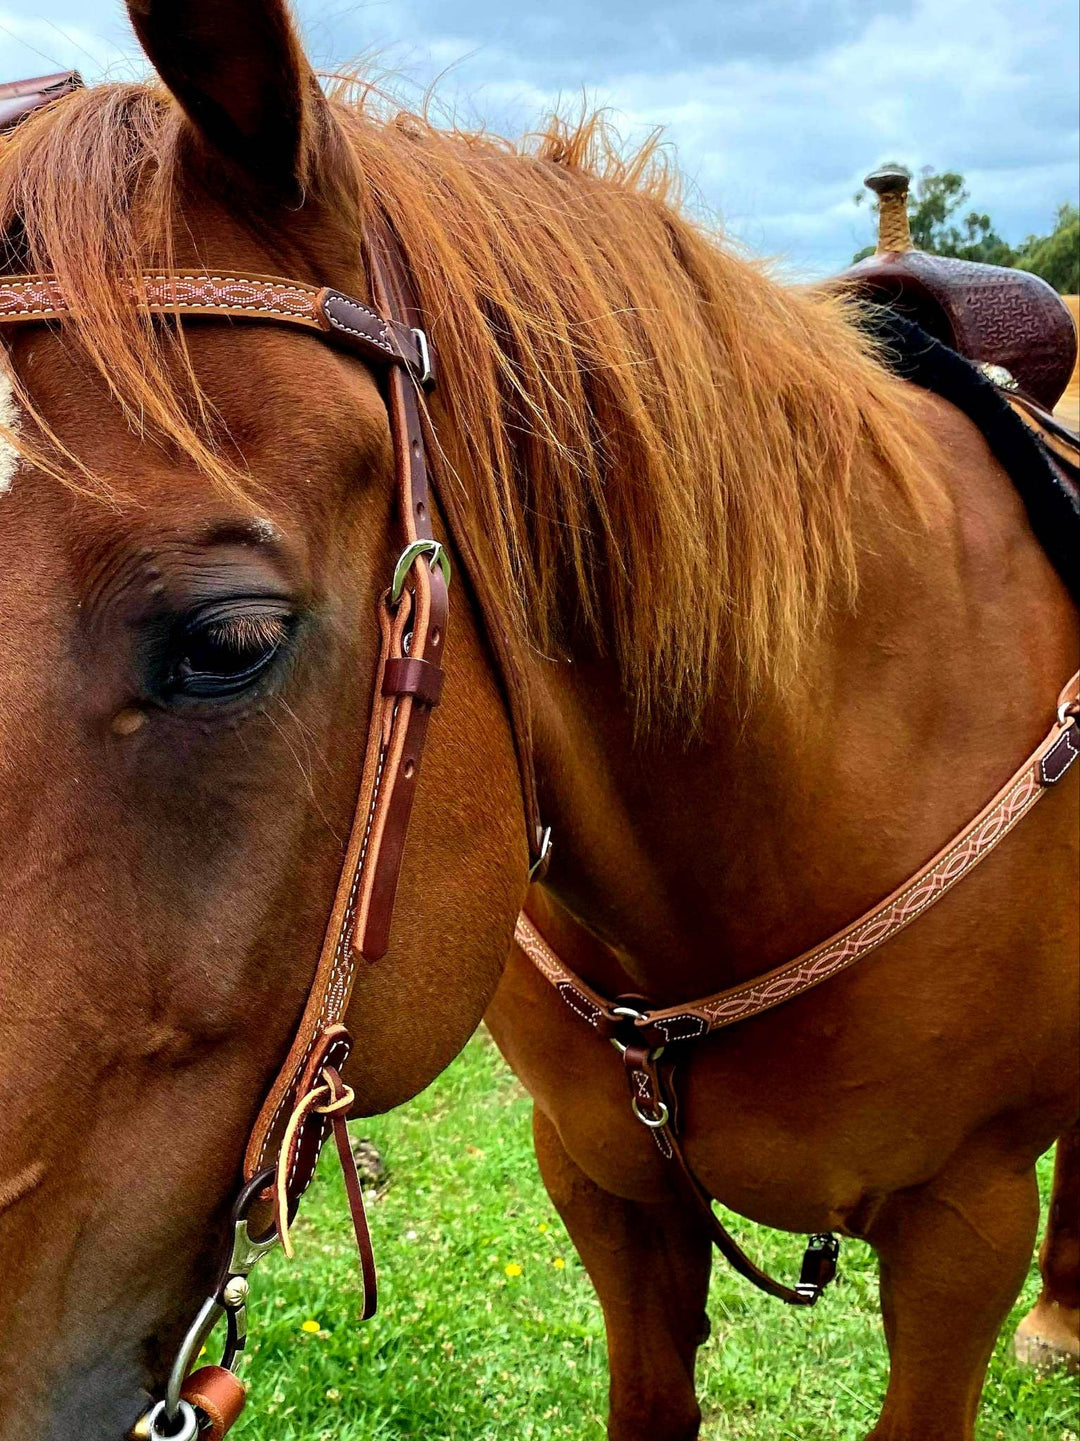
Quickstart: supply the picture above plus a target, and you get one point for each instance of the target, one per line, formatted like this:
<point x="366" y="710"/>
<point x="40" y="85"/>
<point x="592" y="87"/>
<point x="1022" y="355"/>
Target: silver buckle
<point x="408" y="558"/>
<point x="426" y="377"/>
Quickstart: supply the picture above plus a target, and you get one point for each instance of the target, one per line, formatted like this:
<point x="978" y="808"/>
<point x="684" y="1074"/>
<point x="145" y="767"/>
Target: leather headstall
<point x="308" y="1099"/>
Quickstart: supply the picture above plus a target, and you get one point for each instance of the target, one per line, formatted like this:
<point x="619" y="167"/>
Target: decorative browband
<point x="331" y="313"/>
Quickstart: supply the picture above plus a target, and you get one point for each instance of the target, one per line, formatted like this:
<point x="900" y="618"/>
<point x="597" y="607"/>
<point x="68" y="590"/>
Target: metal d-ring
<point x="183" y="1427"/>
<point x="408" y="558"/>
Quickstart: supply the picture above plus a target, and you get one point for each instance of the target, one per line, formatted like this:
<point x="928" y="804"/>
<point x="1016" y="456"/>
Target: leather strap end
<point x="1060" y="756"/>
<point x="418" y="678"/>
<point x="354" y="1193"/>
<point x="219" y="1395"/>
<point x="385" y="342"/>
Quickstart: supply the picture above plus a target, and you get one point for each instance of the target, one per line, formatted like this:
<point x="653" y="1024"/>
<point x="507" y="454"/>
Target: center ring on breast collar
<point x="628" y="1013"/>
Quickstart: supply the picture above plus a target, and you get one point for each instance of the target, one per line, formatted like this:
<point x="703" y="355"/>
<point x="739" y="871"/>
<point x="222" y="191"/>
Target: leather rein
<point x="308" y="1100"/>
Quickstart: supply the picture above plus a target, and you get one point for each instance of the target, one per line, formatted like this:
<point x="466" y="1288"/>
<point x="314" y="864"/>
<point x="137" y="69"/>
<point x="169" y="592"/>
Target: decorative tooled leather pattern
<point x="40" y="296"/>
<point x="1010" y="318"/>
<point x="879" y="927"/>
<point x="660" y="1026"/>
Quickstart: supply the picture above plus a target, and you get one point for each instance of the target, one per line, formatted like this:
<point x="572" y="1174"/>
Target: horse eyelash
<point x="243" y="633"/>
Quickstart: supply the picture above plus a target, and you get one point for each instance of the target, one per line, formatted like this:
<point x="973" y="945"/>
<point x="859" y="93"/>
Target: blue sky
<point x="776" y="108"/>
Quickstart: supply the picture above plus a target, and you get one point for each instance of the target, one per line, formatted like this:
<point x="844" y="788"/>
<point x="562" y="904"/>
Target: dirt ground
<point x="1068" y="407"/>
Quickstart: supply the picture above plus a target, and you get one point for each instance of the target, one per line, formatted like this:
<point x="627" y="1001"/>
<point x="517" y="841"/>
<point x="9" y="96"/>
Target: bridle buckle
<point x="439" y="560"/>
<point x="424" y="374"/>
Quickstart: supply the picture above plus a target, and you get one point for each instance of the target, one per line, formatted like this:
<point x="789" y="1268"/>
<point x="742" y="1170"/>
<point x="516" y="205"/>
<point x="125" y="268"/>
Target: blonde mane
<point x="655" y="444"/>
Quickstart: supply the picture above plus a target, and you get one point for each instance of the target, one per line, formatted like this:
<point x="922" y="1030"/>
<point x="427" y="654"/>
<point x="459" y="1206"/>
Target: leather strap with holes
<point x="407" y="685"/>
<point x="308" y="1099"/>
<point x="408" y="680"/>
<point x="383" y="338"/>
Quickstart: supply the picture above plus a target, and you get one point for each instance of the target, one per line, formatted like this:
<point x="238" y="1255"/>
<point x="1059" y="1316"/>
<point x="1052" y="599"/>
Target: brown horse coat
<point x="784" y="628"/>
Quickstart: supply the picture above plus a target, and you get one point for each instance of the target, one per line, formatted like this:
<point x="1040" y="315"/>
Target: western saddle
<point x="1010" y="323"/>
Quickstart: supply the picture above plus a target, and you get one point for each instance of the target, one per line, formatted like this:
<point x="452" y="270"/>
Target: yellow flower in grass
<point x="559" y="1263"/>
<point x="311" y="1327"/>
<point x="512" y="1270"/>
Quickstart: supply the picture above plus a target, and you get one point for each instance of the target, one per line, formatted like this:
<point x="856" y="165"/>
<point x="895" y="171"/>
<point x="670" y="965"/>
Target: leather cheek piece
<point x="418" y="678"/>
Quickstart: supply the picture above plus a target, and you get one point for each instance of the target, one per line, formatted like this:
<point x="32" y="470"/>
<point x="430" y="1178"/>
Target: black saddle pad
<point x="1052" y="503"/>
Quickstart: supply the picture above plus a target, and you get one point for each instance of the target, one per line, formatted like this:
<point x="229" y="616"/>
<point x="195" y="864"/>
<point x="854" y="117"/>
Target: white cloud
<point x="777" y="109"/>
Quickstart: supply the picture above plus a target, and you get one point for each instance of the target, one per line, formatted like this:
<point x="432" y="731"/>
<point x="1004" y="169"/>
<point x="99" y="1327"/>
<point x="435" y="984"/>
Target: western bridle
<point x="308" y="1100"/>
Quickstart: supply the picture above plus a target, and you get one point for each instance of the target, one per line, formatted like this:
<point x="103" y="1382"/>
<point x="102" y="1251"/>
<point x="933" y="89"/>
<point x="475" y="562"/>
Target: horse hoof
<point x="1048" y="1338"/>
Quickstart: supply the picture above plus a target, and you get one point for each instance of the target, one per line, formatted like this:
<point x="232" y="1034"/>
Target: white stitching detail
<point x="1072" y="750"/>
<point x="383" y="341"/>
<point x="347" y="917"/>
<point x="879" y="928"/>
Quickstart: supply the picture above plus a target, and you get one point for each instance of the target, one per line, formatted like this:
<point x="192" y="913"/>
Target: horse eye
<point x="223" y="651"/>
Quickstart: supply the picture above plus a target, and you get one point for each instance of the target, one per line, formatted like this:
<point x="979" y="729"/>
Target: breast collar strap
<point x="651" y="1038"/>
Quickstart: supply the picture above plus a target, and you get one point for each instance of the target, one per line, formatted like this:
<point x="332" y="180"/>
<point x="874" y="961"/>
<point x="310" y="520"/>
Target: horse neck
<point x="708" y="861"/>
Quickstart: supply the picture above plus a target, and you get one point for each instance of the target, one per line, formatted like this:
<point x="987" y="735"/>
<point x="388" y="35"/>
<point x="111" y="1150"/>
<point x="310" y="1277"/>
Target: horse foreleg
<point x="1049" y="1335"/>
<point x="954" y="1254"/>
<point x="650" y="1265"/>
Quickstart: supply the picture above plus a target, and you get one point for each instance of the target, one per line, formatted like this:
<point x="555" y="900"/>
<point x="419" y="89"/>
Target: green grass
<point x="461" y="1351"/>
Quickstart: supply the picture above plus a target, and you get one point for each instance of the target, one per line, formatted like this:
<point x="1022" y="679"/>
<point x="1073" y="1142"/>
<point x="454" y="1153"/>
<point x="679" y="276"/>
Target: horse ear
<point x="239" y="72"/>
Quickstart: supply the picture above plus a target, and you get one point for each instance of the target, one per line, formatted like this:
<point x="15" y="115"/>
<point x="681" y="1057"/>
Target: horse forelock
<point x="652" y="441"/>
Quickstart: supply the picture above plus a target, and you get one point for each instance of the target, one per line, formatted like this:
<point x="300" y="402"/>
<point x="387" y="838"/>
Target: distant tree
<point x="1056" y="257"/>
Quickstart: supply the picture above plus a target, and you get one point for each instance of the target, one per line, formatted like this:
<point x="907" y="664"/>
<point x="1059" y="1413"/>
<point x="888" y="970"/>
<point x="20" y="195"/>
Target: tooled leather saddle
<point x="999" y="344"/>
<point x="1009" y="322"/>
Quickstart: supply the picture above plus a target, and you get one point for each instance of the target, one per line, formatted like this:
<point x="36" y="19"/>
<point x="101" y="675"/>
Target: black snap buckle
<point x="818" y="1266"/>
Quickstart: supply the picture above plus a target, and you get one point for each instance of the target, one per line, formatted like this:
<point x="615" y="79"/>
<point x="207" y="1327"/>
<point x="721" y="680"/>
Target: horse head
<point x="197" y="523"/>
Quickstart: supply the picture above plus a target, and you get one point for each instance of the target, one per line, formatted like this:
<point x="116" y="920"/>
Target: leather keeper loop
<point x="412" y="676"/>
<point x="219" y="1395"/>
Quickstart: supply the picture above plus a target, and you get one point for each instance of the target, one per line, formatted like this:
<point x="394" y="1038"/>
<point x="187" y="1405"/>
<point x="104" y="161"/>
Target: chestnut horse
<point x="783" y="628"/>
